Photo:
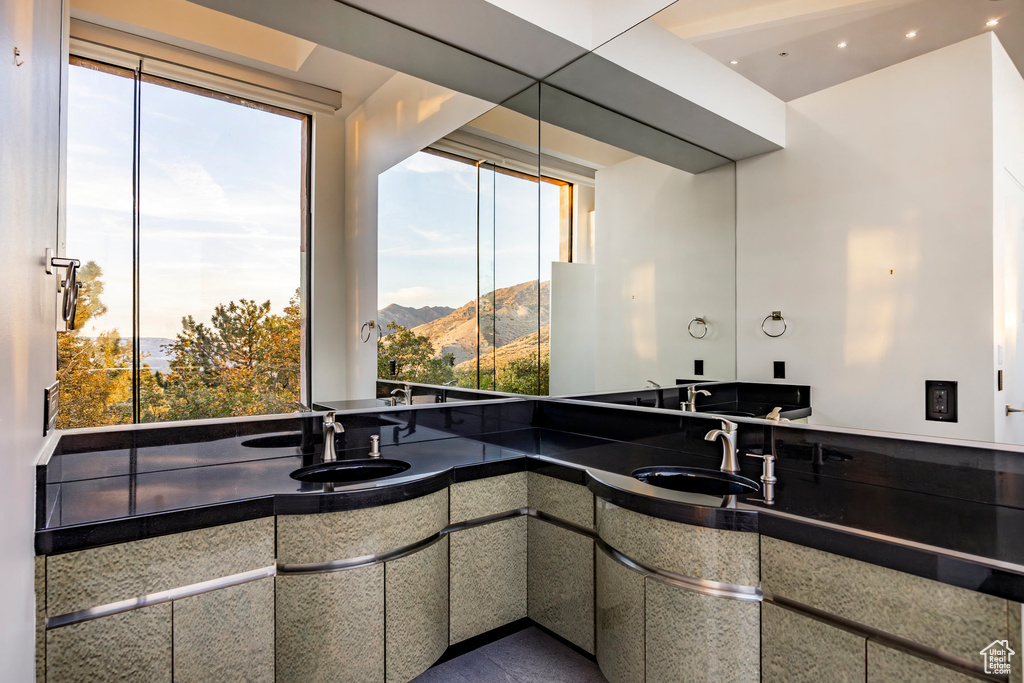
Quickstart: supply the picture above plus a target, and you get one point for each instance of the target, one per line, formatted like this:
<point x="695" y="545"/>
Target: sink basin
<point x="695" y="480"/>
<point x="730" y="413"/>
<point x="349" y="471"/>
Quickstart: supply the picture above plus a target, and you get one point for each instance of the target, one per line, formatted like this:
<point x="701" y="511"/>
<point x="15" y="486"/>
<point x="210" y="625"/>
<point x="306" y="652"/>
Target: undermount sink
<point x="695" y="480"/>
<point x="350" y="471"/>
<point x="730" y="413"/>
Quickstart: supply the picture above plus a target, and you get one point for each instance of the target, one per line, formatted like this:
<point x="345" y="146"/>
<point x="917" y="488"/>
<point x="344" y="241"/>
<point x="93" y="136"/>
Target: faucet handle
<point x="729" y="427"/>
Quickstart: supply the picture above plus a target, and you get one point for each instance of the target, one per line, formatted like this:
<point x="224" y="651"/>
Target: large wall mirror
<point x="558" y="264"/>
<point x="886" y="231"/>
<point x="861" y="162"/>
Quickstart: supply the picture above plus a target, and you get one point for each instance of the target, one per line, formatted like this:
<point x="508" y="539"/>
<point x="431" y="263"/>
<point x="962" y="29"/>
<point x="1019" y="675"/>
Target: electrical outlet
<point x="940" y="400"/>
<point x="780" y="369"/>
<point x="698" y="367"/>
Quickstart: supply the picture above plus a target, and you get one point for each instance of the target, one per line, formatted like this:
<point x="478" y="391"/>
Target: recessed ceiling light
<point x="842" y="44"/>
<point x="992" y="22"/>
<point x="912" y="34"/>
<point x="734" y="62"/>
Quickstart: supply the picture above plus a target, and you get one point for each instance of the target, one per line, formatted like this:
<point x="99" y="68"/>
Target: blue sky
<point x="427" y="231"/>
<point x="220" y="210"/>
<point x="220" y="191"/>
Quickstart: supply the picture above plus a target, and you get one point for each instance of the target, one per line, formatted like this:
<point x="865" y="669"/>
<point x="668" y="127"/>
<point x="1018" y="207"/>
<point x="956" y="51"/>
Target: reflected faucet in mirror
<point x="405" y="392"/>
<point x="690" y="404"/>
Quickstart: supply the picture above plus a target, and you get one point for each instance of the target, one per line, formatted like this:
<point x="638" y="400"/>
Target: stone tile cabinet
<point x="378" y="594"/>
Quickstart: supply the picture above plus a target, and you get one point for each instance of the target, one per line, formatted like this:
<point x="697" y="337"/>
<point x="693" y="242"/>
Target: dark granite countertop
<point x="114" y="495"/>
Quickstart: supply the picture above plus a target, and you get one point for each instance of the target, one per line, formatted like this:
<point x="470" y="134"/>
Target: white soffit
<point x="380" y="40"/>
<point x="198" y="25"/>
<point x="587" y="23"/>
<point x="128" y="50"/>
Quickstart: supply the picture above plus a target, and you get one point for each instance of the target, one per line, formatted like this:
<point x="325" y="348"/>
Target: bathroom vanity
<point x="166" y="554"/>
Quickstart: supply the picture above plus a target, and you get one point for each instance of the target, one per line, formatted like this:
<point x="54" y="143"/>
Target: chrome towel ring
<point x="775" y="315"/>
<point x="70" y="285"/>
<point x="368" y="327"/>
<point x="700" y="321"/>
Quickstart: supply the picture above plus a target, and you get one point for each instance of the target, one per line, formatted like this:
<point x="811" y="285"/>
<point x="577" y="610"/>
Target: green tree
<point x="95" y="373"/>
<point x="246" y="362"/>
<point x="414" y="356"/>
<point x="525" y="376"/>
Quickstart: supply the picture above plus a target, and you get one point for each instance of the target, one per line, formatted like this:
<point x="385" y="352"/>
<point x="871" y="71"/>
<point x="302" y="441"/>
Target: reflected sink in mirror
<point x="350" y="471"/>
<point x="695" y="480"/>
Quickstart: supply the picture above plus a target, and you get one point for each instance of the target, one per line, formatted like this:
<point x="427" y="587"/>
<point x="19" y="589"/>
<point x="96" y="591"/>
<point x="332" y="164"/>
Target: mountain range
<point x="409" y="317"/>
<point x="510" y="316"/>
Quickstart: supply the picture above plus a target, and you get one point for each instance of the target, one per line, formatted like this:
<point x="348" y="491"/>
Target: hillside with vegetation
<point x="245" y="361"/>
<point x="445" y="349"/>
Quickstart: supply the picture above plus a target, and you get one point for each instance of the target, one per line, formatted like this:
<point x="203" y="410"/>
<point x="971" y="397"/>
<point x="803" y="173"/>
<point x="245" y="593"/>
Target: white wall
<point x="405" y="115"/>
<point x="29" y="149"/>
<point x="1008" y="245"/>
<point x="573" y="365"/>
<point x="327" y="310"/>
<point x="890" y="172"/>
<point x="664" y="251"/>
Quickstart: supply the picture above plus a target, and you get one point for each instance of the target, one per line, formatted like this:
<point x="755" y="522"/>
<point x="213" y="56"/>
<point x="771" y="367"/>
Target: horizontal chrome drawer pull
<point x="157" y="598"/>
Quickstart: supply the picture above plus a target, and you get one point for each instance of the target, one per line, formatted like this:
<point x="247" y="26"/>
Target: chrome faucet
<point x="405" y="392"/>
<point x="728" y="433"/>
<point x="692" y="392"/>
<point x="654" y="385"/>
<point x="331" y="429"/>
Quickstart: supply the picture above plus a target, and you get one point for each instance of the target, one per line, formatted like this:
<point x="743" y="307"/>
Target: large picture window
<point x="187" y="210"/>
<point x="465" y="249"/>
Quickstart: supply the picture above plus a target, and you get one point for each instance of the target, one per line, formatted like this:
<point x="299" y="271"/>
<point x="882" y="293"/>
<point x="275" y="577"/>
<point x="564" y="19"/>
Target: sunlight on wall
<point x="429" y="107"/>
<point x="644" y="317"/>
<point x="877" y="260"/>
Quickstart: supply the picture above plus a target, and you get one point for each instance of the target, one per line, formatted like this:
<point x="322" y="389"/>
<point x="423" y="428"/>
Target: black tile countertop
<point x="139" y="488"/>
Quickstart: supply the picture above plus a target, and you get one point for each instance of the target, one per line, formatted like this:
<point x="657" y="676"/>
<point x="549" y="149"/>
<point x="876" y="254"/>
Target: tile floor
<point x="528" y="656"/>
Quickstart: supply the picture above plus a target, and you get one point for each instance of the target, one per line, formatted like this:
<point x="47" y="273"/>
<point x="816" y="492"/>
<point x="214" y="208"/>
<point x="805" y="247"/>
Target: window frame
<point x="566" y="229"/>
<point x="139" y="76"/>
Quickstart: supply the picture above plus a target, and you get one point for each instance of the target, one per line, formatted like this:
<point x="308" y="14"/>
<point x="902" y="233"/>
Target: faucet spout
<point x="728" y="434"/>
<point x="331" y="429"/>
<point x="405" y="392"/>
<point x="692" y="392"/>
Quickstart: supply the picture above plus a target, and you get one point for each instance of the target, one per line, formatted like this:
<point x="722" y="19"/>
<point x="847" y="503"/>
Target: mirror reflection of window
<point x="464" y="271"/>
<point x="199" y="286"/>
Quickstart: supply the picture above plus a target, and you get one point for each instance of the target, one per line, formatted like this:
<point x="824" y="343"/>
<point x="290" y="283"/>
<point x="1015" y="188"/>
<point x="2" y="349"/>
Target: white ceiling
<point x="754" y="32"/>
<point x="200" y="29"/>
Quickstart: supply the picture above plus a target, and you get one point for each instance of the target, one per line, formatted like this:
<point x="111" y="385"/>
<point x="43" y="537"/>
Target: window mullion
<point x="136" y="176"/>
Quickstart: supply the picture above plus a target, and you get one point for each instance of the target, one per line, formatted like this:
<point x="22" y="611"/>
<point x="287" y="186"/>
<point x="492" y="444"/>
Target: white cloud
<point x="430" y="235"/>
